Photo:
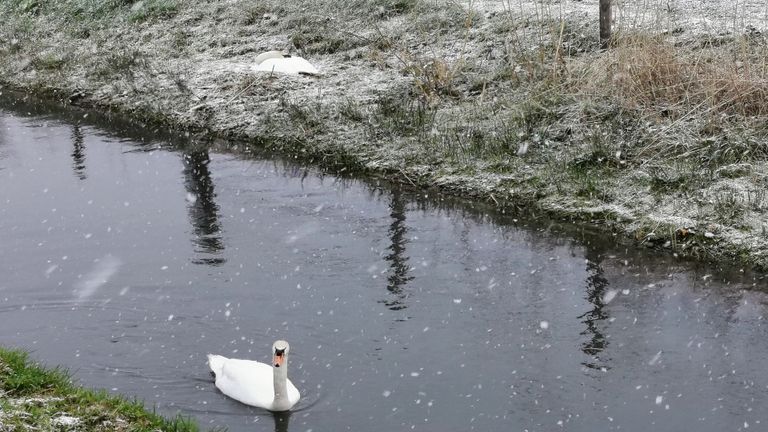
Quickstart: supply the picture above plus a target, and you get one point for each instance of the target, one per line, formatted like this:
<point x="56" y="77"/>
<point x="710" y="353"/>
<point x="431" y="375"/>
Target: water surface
<point x="128" y="256"/>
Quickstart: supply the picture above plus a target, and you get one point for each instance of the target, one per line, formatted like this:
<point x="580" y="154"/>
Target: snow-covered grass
<point x="36" y="398"/>
<point x="506" y="100"/>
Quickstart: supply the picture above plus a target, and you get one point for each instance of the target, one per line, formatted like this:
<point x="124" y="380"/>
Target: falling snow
<point x="367" y="293"/>
<point x="100" y="273"/>
<point x="609" y="296"/>
<point x="653" y="361"/>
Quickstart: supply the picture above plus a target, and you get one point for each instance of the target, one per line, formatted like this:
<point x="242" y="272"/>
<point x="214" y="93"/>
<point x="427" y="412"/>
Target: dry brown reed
<point x="650" y="73"/>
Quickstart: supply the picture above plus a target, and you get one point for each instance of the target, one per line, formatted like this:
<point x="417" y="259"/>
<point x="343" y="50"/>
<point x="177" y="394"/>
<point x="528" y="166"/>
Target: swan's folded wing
<point x="247" y="381"/>
<point x="293" y="393"/>
<point x="287" y="65"/>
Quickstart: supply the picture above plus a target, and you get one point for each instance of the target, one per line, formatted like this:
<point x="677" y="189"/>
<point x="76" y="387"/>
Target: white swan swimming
<point x="257" y="384"/>
<point x="278" y="61"/>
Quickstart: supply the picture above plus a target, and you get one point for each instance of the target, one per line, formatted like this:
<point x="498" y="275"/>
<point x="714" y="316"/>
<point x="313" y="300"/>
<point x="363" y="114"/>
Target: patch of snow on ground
<point x="65" y="420"/>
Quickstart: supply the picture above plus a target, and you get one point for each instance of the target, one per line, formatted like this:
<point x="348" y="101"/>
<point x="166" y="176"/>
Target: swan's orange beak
<point x="278" y="358"/>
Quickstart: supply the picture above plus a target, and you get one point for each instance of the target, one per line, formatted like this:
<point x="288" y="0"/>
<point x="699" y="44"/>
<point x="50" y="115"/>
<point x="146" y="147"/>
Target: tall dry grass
<point x="650" y="72"/>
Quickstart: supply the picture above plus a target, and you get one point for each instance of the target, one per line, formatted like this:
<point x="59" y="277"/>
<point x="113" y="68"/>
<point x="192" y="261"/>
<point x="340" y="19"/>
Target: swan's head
<point x="279" y="352"/>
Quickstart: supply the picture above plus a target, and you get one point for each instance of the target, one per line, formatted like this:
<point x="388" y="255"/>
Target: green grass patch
<point x="69" y="10"/>
<point x="20" y="377"/>
<point x="395" y="7"/>
<point x="153" y="9"/>
<point x="119" y="63"/>
<point x="49" y="62"/>
<point x="399" y="114"/>
<point x="33" y="397"/>
<point x="729" y="209"/>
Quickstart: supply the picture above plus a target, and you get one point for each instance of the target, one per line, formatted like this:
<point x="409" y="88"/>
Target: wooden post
<point x="605" y="23"/>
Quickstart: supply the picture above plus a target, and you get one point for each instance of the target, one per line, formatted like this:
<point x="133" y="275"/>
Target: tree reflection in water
<point x="78" y="152"/>
<point x="203" y="210"/>
<point x="596" y="285"/>
<point x="398" y="261"/>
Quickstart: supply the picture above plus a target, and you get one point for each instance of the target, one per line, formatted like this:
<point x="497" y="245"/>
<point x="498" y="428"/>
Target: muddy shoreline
<point x="434" y="97"/>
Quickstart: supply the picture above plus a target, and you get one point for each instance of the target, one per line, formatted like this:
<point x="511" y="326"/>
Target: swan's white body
<point x="277" y="61"/>
<point x="254" y="383"/>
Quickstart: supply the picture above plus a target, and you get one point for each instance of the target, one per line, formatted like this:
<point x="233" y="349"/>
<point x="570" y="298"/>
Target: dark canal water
<point x="127" y="258"/>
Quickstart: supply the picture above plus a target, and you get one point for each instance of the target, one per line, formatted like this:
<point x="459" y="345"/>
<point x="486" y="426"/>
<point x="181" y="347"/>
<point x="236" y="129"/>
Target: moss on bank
<point x="662" y="134"/>
<point x="36" y="398"/>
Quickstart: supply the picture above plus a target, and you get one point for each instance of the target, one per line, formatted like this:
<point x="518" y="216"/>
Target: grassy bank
<point x="36" y="398"/>
<point x="661" y="138"/>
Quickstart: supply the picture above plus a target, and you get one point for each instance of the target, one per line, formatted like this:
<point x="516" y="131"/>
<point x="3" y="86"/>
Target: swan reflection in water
<point x="281" y="420"/>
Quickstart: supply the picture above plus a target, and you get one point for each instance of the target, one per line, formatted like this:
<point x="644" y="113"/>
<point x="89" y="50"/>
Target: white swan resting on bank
<point x="278" y="61"/>
<point x="257" y="384"/>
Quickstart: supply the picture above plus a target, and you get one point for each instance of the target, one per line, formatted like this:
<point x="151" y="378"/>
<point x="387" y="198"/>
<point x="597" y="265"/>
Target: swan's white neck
<point x="279" y="379"/>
